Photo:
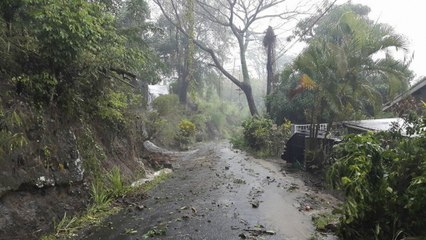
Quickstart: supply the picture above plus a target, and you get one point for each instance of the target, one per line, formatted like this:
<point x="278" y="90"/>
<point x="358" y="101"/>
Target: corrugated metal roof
<point x="376" y="125"/>
<point x="413" y="89"/>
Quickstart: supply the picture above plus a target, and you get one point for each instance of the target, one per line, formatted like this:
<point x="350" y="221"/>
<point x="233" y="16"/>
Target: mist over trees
<point x="234" y="18"/>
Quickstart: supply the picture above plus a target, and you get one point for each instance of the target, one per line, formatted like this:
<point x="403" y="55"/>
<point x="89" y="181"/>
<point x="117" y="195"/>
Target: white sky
<point x="408" y="19"/>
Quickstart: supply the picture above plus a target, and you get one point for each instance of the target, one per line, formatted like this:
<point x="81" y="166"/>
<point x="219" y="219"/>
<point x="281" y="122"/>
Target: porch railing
<point x="305" y="128"/>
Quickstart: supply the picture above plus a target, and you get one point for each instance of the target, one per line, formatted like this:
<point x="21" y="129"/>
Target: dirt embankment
<point x="51" y="175"/>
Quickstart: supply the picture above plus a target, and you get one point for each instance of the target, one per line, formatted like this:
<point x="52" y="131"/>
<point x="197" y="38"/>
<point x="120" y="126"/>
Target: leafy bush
<point x="12" y="137"/>
<point x="186" y="133"/>
<point x="265" y="137"/>
<point x="256" y="132"/>
<point x="111" y="107"/>
<point x="383" y="177"/>
<point x="166" y="104"/>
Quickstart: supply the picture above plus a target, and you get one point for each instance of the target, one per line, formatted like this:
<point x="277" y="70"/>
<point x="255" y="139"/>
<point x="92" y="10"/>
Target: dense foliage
<point x="345" y="72"/>
<point x="76" y="60"/>
<point x="383" y="177"/>
<point x="174" y="125"/>
<point x="262" y="136"/>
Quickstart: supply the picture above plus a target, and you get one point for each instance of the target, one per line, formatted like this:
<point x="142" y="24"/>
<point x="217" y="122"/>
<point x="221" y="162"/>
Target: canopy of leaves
<point x="344" y="61"/>
<point x="70" y="53"/>
<point x="383" y="177"/>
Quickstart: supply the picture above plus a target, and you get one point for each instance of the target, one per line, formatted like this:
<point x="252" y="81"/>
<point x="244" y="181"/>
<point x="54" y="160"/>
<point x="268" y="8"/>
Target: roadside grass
<point x="103" y="205"/>
<point x="151" y="184"/>
<point x="323" y="221"/>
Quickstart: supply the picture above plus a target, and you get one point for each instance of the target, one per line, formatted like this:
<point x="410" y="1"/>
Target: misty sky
<point x="407" y="17"/>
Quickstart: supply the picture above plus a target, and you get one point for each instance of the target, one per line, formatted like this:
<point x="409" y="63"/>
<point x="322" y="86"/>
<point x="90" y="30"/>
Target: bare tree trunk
<point x="269" y="43"/>
<point x="183" y="85"/>
<point x="269" y="79"/>
<point x="181" y="70"/>
<point x="250" y="100"/>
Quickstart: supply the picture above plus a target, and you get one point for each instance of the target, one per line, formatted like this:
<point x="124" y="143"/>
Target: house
<point x="296" y="146"/>
<point x="416" y="95"/>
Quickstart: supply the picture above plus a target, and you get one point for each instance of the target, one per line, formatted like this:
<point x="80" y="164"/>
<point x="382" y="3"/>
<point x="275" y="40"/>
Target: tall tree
<point x="342" y="68"/>
<point x="237" y="17"/>
<point x="269" y="42"/>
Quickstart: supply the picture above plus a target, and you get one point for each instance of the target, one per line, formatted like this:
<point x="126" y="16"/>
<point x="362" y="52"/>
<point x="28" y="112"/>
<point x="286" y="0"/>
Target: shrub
<point x="186" y="133"/>
<point x="383" y="177"/>
<point x="12" y="137"/>
<point x="166" y="104"/>
<point x="265" y="137"/>
<point x="256" y="132"/>
<point x="112" y="106"/>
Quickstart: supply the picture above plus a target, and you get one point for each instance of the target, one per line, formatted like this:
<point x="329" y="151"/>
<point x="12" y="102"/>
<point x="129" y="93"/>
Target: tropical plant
<point x="117" y="185"/>
<point x="343" y="69"/>
<point x="263" y="136"/>
<point x="186" y="133"/>
<point x="383" y="179"/>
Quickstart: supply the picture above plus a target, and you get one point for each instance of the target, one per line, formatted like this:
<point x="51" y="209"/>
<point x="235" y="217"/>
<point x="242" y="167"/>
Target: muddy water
<point x="218" y="193"/>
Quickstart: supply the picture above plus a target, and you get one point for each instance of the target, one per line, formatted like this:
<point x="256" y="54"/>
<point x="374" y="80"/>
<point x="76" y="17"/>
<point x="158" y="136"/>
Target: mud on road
<point x="219" y="193"/>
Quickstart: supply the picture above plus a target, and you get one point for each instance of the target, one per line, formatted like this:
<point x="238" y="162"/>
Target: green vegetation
<point x="347" y="72"/>
<point x="11" y="139"/>
<point x="340" y="75"/>
<point x="262" y="136"/>
<point x="74" y="62"/>
<point x="383" y="177"/>
<point x="186" y="133"/>
<point x="155" y="232"/>
<point x="324" y="220"/>
<point x="177" y="126"/>
<point x="103" y="205"/>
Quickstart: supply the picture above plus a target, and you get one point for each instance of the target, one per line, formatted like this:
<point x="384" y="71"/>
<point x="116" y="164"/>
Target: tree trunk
<point x="244" y="69"/>
<point x="269" y="43"/>
<point x="250" y="100"/>
<point x="269" y="79"/>
<point x="245" y="85"/>
<point x="183" y="86"/>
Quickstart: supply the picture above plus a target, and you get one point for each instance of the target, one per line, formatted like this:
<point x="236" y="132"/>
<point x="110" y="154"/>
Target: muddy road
<point x="217" y="193"/>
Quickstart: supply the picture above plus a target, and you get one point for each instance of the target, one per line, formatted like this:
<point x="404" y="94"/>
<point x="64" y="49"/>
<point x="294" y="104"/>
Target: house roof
<point x="376" y="125"/>
<point x="421" y="84"/>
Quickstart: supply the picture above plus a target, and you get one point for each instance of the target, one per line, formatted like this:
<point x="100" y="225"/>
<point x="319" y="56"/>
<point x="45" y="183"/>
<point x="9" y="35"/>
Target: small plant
<point x="186" y="133"/>
<point x="111" y="108"/>
<point x="155" y="232"/>
<point x="11" y="137"/>
<point x="117" y="188"/>
<point x="323" y="220"/>
<point x="65" y="227"/>
<point x="100" y="194"/>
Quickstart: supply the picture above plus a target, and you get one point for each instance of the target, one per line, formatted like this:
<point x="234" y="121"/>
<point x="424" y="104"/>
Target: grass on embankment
<point x="103" y="205"/>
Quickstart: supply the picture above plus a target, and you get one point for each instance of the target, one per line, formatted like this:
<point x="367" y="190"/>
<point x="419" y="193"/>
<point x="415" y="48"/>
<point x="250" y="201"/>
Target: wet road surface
<point x="218" y="193"/>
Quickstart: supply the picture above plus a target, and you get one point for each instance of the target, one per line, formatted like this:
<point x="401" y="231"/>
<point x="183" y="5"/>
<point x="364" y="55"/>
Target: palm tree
<point x="343" y="69"/>
<point x="348" y="69"/>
